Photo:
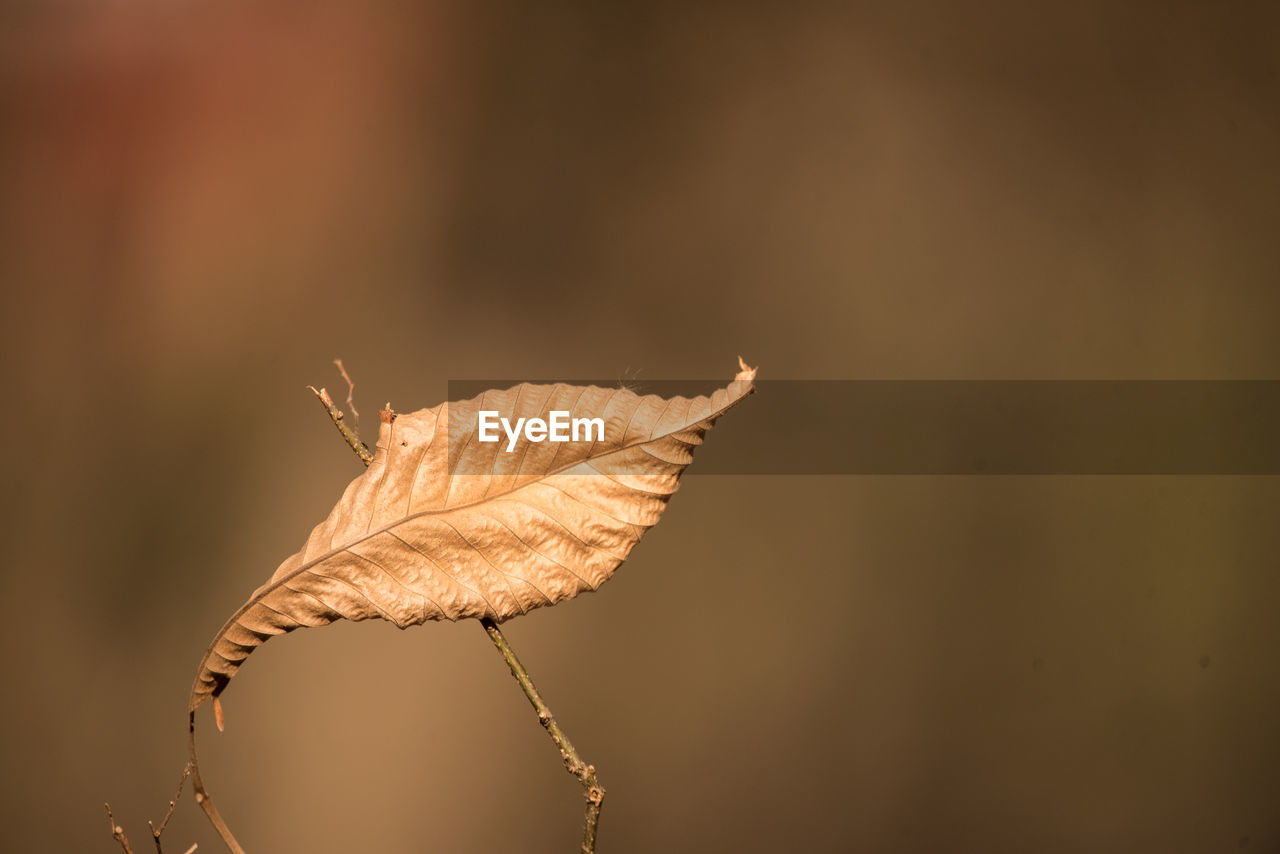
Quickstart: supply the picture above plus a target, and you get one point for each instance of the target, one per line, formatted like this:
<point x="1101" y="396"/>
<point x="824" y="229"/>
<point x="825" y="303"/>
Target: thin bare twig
<point x="117" y="832"/>
<point x="156" y="831"/>
<point x="335" y="414"/>
<point x="351" y="391"/>
<point x="584" y="772"/>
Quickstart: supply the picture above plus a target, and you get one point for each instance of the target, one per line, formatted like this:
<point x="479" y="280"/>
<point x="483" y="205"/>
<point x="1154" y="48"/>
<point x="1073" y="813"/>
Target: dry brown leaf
<point x="496" y="533"/>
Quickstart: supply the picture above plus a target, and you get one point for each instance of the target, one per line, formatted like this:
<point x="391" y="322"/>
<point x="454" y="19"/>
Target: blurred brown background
<point x="204" y="203"/>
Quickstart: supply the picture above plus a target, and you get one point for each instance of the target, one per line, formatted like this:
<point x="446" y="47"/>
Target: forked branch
<point x="117" y="832"/>
<point x="156" y="831"/>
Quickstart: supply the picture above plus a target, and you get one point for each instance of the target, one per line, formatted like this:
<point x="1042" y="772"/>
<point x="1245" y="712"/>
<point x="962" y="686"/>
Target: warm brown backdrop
<point x="202" y="203"/>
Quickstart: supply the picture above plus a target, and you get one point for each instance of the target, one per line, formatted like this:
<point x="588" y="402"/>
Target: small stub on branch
<point x="117" y="832"/>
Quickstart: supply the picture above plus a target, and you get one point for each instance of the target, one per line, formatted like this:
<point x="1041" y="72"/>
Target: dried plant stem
<point x="157" y="831"/>
<point x="335" y="414"/>
<point x="351" y="392"/>
<point x="117" y="832"/>
<point x="585" y="773"/>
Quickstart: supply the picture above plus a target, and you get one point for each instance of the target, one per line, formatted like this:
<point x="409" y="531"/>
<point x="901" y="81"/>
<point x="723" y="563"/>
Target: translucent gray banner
<point x="932" y="427"/>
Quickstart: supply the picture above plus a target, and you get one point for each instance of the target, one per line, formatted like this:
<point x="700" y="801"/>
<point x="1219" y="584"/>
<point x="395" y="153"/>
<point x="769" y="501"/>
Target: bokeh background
<point x="202" y="204"/>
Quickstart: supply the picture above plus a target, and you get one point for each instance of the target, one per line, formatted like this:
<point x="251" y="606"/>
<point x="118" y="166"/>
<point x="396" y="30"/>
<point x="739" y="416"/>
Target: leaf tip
<point x="746" y="373"/>
<point x="217" y="715"/>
